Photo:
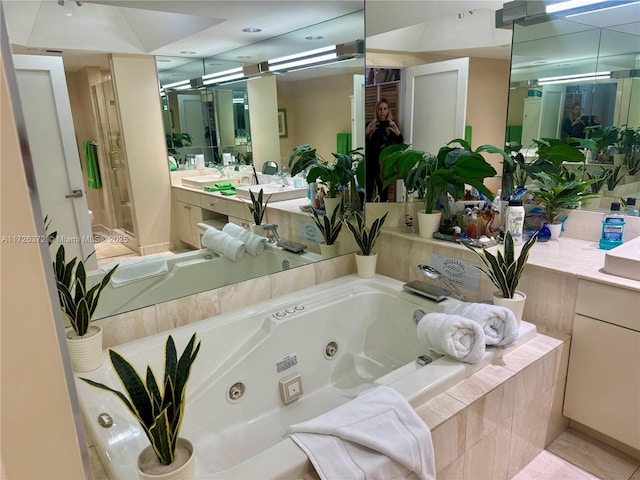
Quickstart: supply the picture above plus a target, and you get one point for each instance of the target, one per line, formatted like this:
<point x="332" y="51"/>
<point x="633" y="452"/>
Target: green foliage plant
<point x="258" y="206"/>
<point x="338" y="173"/>
<point x="329" y="227"/>
<point x="503" y="268"/>
<point x="364" y="237"/>
<point x="558" y="193"/>
<point x="159" y="412"/>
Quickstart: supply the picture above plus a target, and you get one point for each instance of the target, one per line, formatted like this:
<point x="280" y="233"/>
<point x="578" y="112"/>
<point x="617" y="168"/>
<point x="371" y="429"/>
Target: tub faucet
<point x="434" y="274"/>
<point x="272" y="233"/>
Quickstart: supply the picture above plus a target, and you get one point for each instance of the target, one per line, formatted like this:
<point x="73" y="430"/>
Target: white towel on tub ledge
<point x="453" y="335"/>
<point x="499" y="323"/>
<point x="376" y="436"/>
<point x="252" y="242"/>
<point x="222" y="243"/>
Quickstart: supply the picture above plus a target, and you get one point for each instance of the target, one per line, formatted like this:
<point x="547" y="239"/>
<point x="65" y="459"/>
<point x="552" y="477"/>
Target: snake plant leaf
<point x="81" y="321"/>
<point x="152" y="387"/>
<point x="160" y="436"/>
<point x="183" y="368"/>
<point x="120" y="395"/>
<point x="135" y="388"/>
<point x="509" y="249"/>
<point x="170" y="360"/>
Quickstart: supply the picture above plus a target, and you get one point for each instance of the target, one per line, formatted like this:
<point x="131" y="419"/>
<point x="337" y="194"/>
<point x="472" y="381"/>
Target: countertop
<point x="569" y="256"/>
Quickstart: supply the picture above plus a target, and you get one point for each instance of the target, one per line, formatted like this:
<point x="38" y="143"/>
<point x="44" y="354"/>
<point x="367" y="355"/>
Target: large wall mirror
<point x="217" y="116"/>
<point x="586" y="58"/>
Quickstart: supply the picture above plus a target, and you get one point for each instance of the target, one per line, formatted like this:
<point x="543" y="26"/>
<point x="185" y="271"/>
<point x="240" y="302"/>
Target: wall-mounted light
<point x="224" y="76"/>
<point x="569" y="5"/>
<point x="580" y="77"/>
<point x="307" y="58"/>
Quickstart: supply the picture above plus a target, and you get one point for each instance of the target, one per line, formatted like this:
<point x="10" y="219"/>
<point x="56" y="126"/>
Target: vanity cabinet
<point x="188" y="214"/>
<point x="603" y="381"/>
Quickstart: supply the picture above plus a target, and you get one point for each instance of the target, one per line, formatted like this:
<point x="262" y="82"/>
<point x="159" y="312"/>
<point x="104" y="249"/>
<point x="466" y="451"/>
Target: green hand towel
<point x="343" y="143"/>
<point x="93" y="170"/>
<point x="229" y="192"/>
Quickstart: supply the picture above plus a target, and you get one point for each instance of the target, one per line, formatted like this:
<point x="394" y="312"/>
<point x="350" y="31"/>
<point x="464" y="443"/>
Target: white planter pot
<point x="515" y="304"/>
<point x="257" y="229"/>
<point x="85" y="352"/>
<point x="329" y="251"/>
<point x="428" y="223"/>
<point x="555" y="229"/>
<point x="366" y="265"/>
<point x="183" y="467"/>
<point x="330" y="204"/>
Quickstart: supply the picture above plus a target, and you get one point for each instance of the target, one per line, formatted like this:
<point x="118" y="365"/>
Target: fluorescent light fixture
<point x="308" y="53"/>
<point x="582" y="77"/>
<point x="183" y="87"/>
<point x="570" y="4"/>
<point x="176" y="84"/>
<point x="224" y="73"/>
<point x="303" y="62"/>
<point x="234" y="76"/>
<point x="603" y="9"/>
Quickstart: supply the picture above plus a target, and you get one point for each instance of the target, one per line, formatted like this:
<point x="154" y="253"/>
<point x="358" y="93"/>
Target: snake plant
<point x="329" y="227"/>
<point x="504" y="269"/>
<point x="366" y="238"/>
<point x="258" y="208"/>
<point x="159" y="413"/>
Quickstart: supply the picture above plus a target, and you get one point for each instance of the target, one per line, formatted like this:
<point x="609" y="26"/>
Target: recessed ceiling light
<point x="314" y="37"/>
<point x="251" y="30"/>
<point x="244" y="56"/>
<point x="163" y="60"/>
<point x="188" y="52"/>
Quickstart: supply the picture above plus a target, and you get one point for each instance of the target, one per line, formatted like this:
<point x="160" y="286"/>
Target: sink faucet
<point x="272" y="233"/>
<point x="434" y="274"/>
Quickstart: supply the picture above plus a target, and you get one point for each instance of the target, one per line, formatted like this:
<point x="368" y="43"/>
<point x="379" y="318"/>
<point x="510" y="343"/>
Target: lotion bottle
<point x="514" y="221"/>
<point x="612" y="228"/>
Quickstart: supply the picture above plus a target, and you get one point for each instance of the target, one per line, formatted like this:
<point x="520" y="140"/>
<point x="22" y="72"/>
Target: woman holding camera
<point x="379" y="133"/>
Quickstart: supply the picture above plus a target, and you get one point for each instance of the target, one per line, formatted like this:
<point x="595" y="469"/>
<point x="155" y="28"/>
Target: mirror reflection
<point x="576" y="76"/>
<point x="161" y="164"/>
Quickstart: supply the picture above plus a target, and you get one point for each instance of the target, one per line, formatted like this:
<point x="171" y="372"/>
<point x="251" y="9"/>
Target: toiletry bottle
<point x="514" y="220"/>
<point x="408" y="212"/>
<point x="631" y="209"/>
<point x="612" y="228"/>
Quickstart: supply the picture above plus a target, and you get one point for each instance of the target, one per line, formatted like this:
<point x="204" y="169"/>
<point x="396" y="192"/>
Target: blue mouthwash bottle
<point x="612" y="228"/>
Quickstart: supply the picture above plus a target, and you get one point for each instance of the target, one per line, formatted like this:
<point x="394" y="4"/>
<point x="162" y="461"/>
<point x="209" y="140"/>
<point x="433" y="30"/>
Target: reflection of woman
<point x="379" y="133"/>
<point x="574" y="125"/>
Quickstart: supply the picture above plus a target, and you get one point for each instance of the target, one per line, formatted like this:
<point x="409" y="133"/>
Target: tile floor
<point x="575" y="456"/>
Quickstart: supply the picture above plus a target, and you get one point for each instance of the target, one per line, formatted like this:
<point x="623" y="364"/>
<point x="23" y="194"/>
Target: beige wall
<point x="263" y="119"/>
<point x="38" y="436"/>
<point x="136" y="86"/>
<point x="317" y="110"/>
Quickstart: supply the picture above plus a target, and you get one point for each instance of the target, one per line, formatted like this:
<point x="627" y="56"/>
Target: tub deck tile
<point x="439" y="409"/>
<point x="480" y="383"/>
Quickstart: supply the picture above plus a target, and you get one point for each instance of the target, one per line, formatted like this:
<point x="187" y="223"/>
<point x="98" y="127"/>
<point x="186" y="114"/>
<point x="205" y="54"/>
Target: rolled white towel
<point x="499" y="323"/>
<point x="253" y="243"/>
<point x="453" y="335"/>
<point x="223" y="244"/>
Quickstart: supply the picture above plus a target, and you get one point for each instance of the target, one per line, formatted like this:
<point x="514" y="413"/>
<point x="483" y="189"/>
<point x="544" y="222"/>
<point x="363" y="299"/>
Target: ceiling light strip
<point x="570" y="4"/>
<point x="611" y="7"/>
<point x="176" y="84"/>
<point x="308" y="53"/>
<point x="576" y="76"/>
<point x="224" y="73"/>
<point x="575" y="80"/>
<point x="235" y="76"/>
<point x="303" y="62"/>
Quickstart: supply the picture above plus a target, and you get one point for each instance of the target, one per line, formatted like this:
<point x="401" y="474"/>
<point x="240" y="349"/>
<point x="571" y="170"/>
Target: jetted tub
<point x="193" y="272"/>
<point x="342" y="337"/>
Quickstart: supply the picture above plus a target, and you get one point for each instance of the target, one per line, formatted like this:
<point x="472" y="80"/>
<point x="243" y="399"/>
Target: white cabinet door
<point x="603" y="381"/>
<point x="531" y="120"/>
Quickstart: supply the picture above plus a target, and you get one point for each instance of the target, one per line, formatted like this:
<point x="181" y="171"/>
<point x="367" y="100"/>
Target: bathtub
<point x="341" y="337"/>
<point x="193" y="272"/>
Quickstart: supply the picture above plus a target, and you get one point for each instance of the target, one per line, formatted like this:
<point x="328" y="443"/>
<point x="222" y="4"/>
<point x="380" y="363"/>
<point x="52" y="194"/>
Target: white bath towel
<point x="453" y="335"/>
<point x="375" y="436"/>
<point x="253" y="243"/>
<point x="499" y="323"/>
<point x="138" y="269"/>
<point x="223" y="244"/>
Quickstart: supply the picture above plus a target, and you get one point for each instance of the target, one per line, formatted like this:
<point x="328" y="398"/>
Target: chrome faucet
<point x="272" y="233"/>
<point x="434" y="274"/>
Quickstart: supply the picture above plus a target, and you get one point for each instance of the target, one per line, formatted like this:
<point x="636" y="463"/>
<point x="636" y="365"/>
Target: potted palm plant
<point x="366" y="239"/>
<point x="330" y="229"/>
<point x="336" y="174"/>
<point x="504" y="270"/>
<point x="258" y="208"/>
<point x="558" y="193"/>
<point x="159" y="409"/>
<point x="78" y="304"/>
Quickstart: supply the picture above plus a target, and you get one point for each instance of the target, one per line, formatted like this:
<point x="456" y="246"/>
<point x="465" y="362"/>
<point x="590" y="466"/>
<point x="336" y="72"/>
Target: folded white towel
<point x="253" y="243"/>
<point x="223" y="244"/>
<point x="138" y="269"/>
<point x="499" y="323"/>
<point x="377" y="435"/>
<point x="453" y="335"/>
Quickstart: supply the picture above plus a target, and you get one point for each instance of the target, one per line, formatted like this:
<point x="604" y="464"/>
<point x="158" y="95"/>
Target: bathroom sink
<point x="278" y="193"/>
<point x="624" y="261"/>
<point x="206" y="181"/>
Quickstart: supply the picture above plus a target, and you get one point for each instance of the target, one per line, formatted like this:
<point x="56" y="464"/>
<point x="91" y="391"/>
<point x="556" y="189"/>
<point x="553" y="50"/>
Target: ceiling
<point x="86" y="34"/>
